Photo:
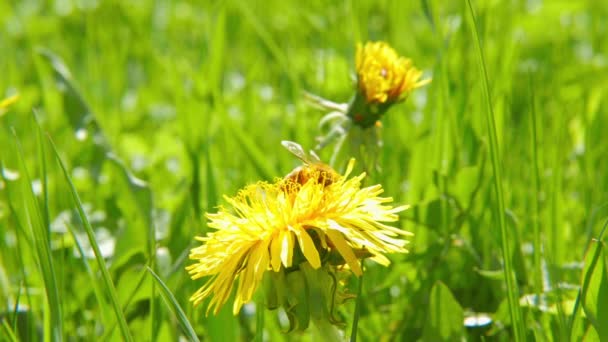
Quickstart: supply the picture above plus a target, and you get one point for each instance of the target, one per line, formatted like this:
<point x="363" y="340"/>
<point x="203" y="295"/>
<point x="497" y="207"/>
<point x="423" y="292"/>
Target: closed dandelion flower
<point x="319" y="221"/>
<point x="384" y="76"/>
<point x="383" y="79"/>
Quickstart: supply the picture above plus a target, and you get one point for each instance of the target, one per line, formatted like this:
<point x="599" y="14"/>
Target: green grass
<point x="158" y="108"/>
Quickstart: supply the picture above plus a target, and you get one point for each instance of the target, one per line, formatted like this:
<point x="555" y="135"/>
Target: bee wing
<point x="314" y="157"/>
<point x="296" y="149"/>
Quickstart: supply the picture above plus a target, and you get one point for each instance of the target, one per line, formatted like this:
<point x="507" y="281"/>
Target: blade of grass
<point x="21" y="233"/>
<point x="588" y="229"/>
<point x="107" y="279"/>
<point x="44" y="181"/>
<point x="96" y="288"/>
<point x="175" y="308"/>
<point x="538" y="282"/>
<point x="140" y="280"/>
<point x="81" y="116"/>
<point x="43" y="249"/>
<point x="512" y="291"/>
<point x="142" y="195"/>
<point x="45" y="196"/>
<point x="594" y="288"/>
<point x="4" y="282"/>
<point x="9" y="334"/>
<point x="16" y="306"/>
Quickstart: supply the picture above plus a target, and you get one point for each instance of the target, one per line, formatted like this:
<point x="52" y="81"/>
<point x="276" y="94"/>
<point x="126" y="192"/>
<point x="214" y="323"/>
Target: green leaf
<point x="297" y="298"/>
<point x="445" y="317"/>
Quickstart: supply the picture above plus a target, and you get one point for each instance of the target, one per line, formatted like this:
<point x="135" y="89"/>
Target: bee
<point x="312" y="168"/>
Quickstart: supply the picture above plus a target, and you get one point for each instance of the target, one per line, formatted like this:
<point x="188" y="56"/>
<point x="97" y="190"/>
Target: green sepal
<point x="364" y="114"/>
<point x="297" y="308"/>
<point x="274" y="286"/>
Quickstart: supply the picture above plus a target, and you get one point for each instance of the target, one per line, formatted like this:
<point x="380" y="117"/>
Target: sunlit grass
<point x="157" y="109"/>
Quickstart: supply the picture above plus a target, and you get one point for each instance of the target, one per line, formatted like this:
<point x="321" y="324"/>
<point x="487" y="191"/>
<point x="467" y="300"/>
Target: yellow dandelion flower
<point x="383" y="75"/>
<point x="302" y="218"/>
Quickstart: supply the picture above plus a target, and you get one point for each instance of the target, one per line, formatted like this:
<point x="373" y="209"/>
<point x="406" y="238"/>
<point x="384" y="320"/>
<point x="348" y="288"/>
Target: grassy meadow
<point x="135" y="118"/>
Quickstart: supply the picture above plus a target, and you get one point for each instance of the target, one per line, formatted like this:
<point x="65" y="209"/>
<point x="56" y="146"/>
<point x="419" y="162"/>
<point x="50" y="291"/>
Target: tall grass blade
<point x="129" y="299"/>
<point x="19" y="228"/>
<point x="9" y="334"/>
<point x="94" y="283"/>
<point x="40" y="234"/>
<point x="175" y="308"/>
<point x="107" y="279"/>
<point x="44" y="177"/>
<point x="538" y="283"/>
<point x="512" y="290"/>
<point x="141" y="195"/>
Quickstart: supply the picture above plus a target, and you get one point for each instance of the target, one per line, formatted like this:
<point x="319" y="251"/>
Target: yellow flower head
<point x="383" y="75"/>
<point x="304" y="218"/>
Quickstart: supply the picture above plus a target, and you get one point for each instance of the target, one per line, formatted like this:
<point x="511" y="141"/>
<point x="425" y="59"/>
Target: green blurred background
<point x="158" y="108"/>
